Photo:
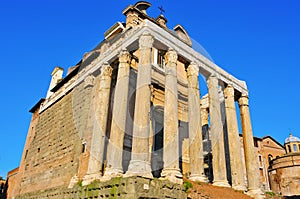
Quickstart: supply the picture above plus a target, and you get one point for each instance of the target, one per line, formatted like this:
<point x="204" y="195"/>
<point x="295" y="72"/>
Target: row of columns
<point x="217" y="139"/>
<point x="140" y="164"/>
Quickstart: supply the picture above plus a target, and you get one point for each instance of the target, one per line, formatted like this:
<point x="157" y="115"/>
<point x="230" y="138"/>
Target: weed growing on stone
<point x="187" y="186"/>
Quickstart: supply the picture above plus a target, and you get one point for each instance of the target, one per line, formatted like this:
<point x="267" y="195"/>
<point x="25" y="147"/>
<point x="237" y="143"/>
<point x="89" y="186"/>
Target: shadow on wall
<point x="291" y="197"/>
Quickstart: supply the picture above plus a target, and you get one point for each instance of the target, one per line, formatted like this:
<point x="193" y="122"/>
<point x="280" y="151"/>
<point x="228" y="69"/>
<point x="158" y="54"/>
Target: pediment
<point x="182" y="34"/>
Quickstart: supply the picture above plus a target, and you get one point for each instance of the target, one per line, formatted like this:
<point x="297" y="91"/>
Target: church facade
<point x="132" y="107"/>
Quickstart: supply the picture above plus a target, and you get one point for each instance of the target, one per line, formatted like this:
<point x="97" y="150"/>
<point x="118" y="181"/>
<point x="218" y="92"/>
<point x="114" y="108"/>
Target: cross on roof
<point x="161" y="10"/>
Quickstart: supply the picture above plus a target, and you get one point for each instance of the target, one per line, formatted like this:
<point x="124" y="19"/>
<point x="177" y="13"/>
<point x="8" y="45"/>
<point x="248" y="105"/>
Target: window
<point x="295" y="148"/>
<point x="270" y="157"/>
<point x="161" y="58"/>
<point x="83" y="147"/>
<point x="289" y="149"/>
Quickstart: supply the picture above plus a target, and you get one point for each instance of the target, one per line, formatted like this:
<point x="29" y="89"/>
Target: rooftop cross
<point x="161" y="10"/>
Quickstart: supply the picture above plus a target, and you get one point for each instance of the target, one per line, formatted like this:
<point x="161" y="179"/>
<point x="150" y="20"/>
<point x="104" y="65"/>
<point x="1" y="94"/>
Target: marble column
<point x="249" y="150"/>
<point x="217" y="134"/>
<point x="99" y="128"/>
<point x="139" y="164"/>
<point x="236" y="163"/>
<point x="171" y="169"/>
<point x="195" y="127"/>
<point x="115" y="145"/>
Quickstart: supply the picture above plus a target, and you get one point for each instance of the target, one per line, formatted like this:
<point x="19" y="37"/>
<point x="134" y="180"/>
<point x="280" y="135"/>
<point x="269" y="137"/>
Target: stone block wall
<point x="125" y="188"/>
<point x="52" y="158"/>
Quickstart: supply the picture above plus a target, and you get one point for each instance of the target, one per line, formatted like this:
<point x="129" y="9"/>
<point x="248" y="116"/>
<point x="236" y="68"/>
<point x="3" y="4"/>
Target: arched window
<point x="270" y="158"/>
<point x="295" y="147"/>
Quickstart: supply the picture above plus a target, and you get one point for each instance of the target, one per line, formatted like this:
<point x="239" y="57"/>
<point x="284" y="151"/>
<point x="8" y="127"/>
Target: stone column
<point x="139" y="164"/>
<point x="195" y="127"/>
<point x="217" y="134"/>
<point x="249" y="150"/>
<point x="117" y="133"/>
<point x="99" y="128"/>
<point x="171" y="137"/>
<point x="236" y="163"/>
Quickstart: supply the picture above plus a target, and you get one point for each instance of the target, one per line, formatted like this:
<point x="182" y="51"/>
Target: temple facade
<point x="132" y="107"/>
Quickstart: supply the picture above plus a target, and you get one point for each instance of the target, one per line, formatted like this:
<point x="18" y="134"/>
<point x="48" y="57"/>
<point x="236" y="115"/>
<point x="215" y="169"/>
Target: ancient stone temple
<point x="121" y="120"/>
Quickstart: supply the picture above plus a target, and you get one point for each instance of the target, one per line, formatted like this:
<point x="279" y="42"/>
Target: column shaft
<point x="250" y="153"/>
<point x="217" y="134"/>
<point x="195" y="127"/>
<point x="99" y="127"/>
<point x="171" y="137"/>
<point x="115" y="145"/>
<point x="139" y="163"/>
<point x="236" y="164"/>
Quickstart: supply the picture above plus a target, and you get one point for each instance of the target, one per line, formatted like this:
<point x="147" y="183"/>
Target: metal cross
<point x="161" y="10"/>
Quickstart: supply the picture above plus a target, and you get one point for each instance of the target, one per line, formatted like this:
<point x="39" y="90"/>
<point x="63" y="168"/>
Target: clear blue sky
<point x="257" y="41"/>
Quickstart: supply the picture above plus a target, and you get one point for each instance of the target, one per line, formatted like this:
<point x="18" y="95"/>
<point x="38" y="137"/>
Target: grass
<point x="187" y="185"/>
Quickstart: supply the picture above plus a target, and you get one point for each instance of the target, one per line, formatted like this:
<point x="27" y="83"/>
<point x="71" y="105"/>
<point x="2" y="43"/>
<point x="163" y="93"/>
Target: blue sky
<point x="256" y="41"/>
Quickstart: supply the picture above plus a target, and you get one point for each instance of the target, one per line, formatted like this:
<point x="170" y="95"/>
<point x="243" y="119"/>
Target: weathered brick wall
<point x="52" y="159"/>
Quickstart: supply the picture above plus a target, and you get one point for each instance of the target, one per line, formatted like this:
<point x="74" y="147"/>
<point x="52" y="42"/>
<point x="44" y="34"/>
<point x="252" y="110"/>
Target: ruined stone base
<point x="257" y="194"/>
<point x="125" y="188"/>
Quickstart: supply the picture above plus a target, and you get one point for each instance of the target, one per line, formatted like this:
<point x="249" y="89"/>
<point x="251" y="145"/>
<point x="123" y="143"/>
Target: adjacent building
<point x="284" y="170"/>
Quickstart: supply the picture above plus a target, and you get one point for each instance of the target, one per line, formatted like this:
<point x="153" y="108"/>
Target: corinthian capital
<point x="106" y="70"/>
<point x="193" y="69"/>
<point x="171" y="56"/>
<point x="89" y="81"/>
<point x="243" y="100"/>
<point x="124" y="56"/>
<point x="229" y="91"/>
<point x="146" y="41"/>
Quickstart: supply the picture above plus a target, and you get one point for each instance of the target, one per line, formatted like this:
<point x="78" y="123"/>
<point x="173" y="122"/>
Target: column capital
<point x="171" y="57"/>
<point x="106" y="70"/>
<point x="244" y="100"/>
<point x="89" y="81"/>
<point x="193" y="69"/>
<point x="229" y="91"/>
<point x="146" y="41"/>
<point x="124" y="56"/>
<point x="213" y="77"/>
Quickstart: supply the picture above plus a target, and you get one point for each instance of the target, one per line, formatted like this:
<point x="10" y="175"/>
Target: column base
<point x="88" y="178"/>
<point x="111" y="173"/>
<point x="139" y="168"/>
<point x="257" y="194"/>
<point x="239" y="187"/>
<point x="221" y="183"/>
<point x="198" y="178"/>
<point x="172" y="174"/>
